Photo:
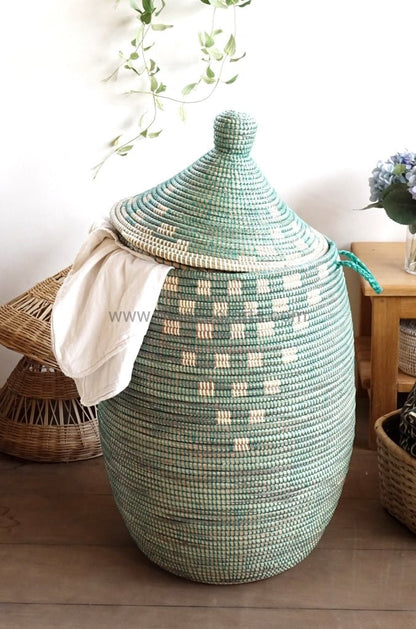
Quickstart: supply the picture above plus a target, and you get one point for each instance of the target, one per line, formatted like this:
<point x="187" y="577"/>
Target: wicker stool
<point x="41" y="418"/>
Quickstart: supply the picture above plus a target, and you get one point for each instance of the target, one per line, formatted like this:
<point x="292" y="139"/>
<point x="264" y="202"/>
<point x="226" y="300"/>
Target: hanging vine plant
<point x="218" y="49"/>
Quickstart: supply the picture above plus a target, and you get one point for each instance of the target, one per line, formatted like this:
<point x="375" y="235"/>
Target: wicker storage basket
<point x="41" y="418"/>
<point x="228" y="450"/>
<point x="397" y="472"/>
<point x="407" y="346"/>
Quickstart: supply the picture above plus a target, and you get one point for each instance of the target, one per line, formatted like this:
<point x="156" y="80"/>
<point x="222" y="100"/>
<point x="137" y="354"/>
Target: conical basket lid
<point x="25" y="321"/>
<point x="220" y="212"/>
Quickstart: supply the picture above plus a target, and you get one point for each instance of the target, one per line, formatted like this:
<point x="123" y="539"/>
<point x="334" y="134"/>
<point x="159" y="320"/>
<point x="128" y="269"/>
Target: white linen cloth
<point x="102" y="312"/>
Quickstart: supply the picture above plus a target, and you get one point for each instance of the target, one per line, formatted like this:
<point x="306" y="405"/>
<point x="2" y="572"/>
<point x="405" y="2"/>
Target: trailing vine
<point x="218" y="51"/>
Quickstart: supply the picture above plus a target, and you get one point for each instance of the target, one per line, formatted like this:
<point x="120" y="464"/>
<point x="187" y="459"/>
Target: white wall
<point x="330" y="83"/>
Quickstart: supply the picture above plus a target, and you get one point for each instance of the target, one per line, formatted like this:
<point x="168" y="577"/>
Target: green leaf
<point x="182" y="113"/>
<point x="148" y="6"/>
<point x="216" y="54"/>
<point x="218" y="4"/>
<point x="158" y="104"/>
<point x="207" y="80"/>
<point x="161" y="27"/>
<point x="161" y="88"/>
<point x="218" y="31"/>
<point x="206" y="1"/>
<point x="368" y="207"/>
<point x="232" y="80"/>
<point x="210" y="72"/>
<point x="235" y="59"/>
<point x="115" y="141"/>
<point x="123" y="150"/>
<point x="134" y="55"/>
<point x="153" y="84"/>
<point x="133" y="43"/>
<point x="208" y="40"/>
<point x="154" y="134"/>
<point x="134" y="5"/>
<point x="141" y="119"/>
<point x="245" y="4"/>
<point x="399" y="204"/>
<point x="146" y="18"/>
<point x="188" y="89"/>
<point x="230" y="46"/>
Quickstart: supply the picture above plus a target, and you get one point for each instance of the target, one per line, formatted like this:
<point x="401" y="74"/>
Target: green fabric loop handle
<point x="355" y="264"/>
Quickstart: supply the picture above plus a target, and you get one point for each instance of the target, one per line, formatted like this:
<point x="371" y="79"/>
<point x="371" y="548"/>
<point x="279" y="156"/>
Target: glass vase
<point x="410" y="258"/>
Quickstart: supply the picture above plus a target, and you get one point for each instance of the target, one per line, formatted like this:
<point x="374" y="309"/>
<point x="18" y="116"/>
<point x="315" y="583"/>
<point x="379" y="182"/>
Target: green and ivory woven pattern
<point x="228" y="450"/>
<point x="220" y="213"/>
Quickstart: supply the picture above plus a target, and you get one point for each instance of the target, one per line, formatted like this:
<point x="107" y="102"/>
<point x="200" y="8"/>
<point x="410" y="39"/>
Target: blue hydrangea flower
<point x="411" y="181"/>
<point x="394" y="170"/>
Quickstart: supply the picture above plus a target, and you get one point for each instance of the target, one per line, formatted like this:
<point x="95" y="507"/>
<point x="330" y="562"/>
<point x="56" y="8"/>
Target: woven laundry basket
<point x="41" y="418"/>
<point x="25" y="320"/>
<point x="228" y="450"/>
<point x="407" y="346"/>
<point x="397" y="472"/>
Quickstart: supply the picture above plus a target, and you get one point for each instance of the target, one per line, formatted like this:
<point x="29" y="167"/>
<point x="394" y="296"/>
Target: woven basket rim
<point x="408" y="326"/>
<point x="388" y="442"/>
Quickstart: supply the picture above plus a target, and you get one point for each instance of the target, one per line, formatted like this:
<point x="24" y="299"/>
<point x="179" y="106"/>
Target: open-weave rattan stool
<point x="41" y="418"/>
<point x="228" y="450"/>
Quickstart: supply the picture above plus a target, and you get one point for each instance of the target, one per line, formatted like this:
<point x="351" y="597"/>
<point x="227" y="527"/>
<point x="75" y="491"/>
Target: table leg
<point x="384" y="359"/>
<point x="365" y="316"/>
<point x="364" y="329"/>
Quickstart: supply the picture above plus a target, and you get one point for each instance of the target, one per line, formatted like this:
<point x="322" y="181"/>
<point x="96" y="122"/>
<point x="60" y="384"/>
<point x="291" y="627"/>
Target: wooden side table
<point x="377" y="346"/>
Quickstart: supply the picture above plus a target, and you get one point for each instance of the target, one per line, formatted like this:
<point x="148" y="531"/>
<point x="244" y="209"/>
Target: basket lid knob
<point x="234" y="132"/>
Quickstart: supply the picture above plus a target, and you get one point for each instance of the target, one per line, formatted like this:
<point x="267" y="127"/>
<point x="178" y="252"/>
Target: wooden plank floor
<point x="67" y="562"/>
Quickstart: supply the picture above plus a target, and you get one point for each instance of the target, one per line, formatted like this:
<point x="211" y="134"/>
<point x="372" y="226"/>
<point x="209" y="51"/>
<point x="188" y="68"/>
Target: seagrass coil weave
<point x="228" y="450"/>
<point x="25" y="320"/>
<point x="219" y="213"/>
<point x="407" y="346"/>
<point x="397" y="472"/>
<point x="42" y="419"/>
